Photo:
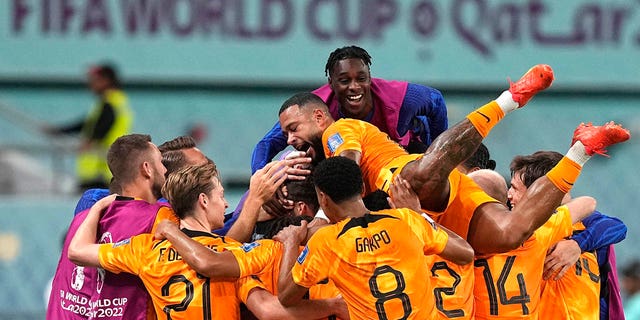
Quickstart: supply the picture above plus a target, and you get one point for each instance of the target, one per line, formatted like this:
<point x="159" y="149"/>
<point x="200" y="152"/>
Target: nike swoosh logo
<point x="567" y="182"/>
<point x="484" y="115"/>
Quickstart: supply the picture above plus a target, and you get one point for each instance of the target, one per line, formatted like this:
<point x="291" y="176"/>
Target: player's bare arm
<point x="290" y="293"/>
<point x="216" y="265"/>
<point x="83" y="250"/>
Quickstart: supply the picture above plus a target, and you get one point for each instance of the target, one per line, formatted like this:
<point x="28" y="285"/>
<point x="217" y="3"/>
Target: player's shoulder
<point x="404" y="215"/>
<point x="269" y="243"/>
<point x="143" y="240"/>
<point x="124" y="203"/>
<point x="418" y="89"/>
<point x="166" y="212"/>
<point x="349" y="122"/>
<point x="561" y="215"/>
<point x="330" y="231"/>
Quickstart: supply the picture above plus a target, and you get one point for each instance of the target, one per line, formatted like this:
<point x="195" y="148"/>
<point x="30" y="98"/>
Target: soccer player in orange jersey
<point x="576" y="294"/>
<point x="376" y="259"/>
<point x="179" y="292"/>
<point x="508" y="285"/>
<point x="488" y="225"/>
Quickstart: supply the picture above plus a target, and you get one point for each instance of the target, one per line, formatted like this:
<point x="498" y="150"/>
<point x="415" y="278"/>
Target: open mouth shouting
<point x="306" y="148"/>
<point x="315" y="152"/>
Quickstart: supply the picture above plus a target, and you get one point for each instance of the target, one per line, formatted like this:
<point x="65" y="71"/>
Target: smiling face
<point x="303" y="128"/>
<point x="350" y="80"/>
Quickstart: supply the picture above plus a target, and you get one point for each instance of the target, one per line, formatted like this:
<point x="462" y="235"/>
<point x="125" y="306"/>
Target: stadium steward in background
<point x="411" y="114"/>
<point x="109" y="118"/>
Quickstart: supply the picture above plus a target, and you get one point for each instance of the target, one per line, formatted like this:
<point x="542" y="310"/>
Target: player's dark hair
<point x="172" y="156"/>
<point x="303" y="190"/>
<point x="301" y="99"/>
<point x="280" y="223"/>
<point x="173" y="160"/>
<point x="348" y="52"/>
<point x="338" y="177"/>
<point x="530" y="168"/>
<point x="480" y="159"/>
<point x="125" y="155"/>
<point x="376" y="201"/>
<point x="178" y="143"/>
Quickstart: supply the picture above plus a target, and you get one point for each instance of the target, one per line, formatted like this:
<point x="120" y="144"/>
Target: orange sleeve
<point x="258" y="256"/>
<point x="164" y="213"/>
<point x="324" y="290"/>
<point x="434" y="239"/>
<point x="558" y="227"/>
<point x="313" y="262"/>
<point x="439" y="239"/>
<point x="245" y="285"/>
<point x="341" y="136"/>
<point x="123" y="256"/>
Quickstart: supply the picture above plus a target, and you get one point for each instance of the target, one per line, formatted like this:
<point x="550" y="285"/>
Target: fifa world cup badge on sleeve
<point x="122" y="243"/>
<point x="334" y="142"/>
<point x="249" y="246"/>
<point x="303" y="255"/>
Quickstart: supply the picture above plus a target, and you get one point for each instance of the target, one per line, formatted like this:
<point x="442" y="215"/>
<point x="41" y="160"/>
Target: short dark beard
<point x="157" y="191"/>
<point x="316" y="143"/>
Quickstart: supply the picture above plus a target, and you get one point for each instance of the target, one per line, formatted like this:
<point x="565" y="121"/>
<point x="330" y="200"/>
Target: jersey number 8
<point x="396" y="293"/>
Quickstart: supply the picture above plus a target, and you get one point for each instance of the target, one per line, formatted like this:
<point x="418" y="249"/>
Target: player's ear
<point x="303" y="209"/>
<point x="203" y="199"/>
<point x="146" y="170"/>
<point x="322" y="198"/>
<point x="318" y="114"/>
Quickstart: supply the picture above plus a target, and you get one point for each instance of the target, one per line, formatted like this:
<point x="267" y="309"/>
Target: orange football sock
<point x="486" y="117"/>
<point x="564" y="174"/>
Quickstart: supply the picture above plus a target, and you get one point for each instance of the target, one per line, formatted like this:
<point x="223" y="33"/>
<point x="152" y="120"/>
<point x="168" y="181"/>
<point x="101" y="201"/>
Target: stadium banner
<point x="452" y="42"/>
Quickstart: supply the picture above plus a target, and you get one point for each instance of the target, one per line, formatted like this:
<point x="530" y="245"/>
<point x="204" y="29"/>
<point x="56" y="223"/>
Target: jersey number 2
<point x="182" y="306"/>
<point x="449" y="291"/>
